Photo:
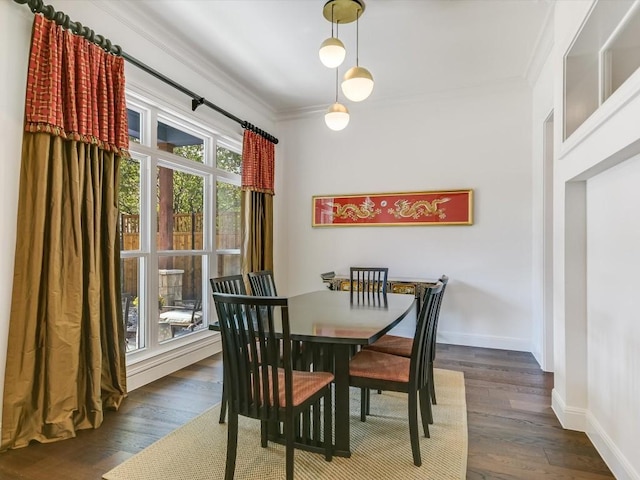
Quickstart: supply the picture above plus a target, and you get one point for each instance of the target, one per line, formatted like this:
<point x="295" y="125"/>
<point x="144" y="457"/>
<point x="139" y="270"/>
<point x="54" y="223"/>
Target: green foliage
<point x="192" y="152"/>
<point x="227" y="197"/>
<point x="228" y="160"/>
<point x="129" y="197"/>
<point x="188" y="188"/>
<point x="187" y="193"/>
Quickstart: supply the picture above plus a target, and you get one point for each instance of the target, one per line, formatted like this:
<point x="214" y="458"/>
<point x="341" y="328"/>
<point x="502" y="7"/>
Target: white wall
<point x="595" y="280"/>
<point x="479" y="139"/>
<point x="613" y="330"/>
<point x="159" y="53"/>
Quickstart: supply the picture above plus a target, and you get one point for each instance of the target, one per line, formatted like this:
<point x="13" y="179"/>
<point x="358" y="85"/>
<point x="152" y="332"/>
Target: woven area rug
<point x="380" y="446"/>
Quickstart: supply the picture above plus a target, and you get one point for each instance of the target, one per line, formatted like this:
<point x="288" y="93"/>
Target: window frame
<point x="231" y="178"/>
<point x="150" y="158"/>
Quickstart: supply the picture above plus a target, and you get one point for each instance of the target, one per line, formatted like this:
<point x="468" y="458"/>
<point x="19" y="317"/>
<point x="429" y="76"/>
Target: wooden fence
<point x="187" y="235"/>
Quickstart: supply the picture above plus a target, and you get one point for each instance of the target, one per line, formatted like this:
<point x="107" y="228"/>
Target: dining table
<point x="336" y="324"/>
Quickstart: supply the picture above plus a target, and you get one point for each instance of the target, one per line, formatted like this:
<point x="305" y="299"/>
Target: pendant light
<point x="337" y="116"/>
<point x="332" y="51"/>
<point x="357" y="83"/>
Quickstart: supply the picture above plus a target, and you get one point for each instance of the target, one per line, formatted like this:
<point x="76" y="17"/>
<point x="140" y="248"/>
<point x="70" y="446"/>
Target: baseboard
<point x="571" y="418"/>
<point x="146" y="371"/>
<point x="610" y="453"/>
<point x="485" y="341"/>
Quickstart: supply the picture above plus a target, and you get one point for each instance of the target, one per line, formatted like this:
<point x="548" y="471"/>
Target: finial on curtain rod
<point x="62" y="19"/>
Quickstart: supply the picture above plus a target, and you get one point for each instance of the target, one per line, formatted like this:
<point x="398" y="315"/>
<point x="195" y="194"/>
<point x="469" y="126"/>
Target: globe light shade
<point x="357" y="84"/>
<point x="337" y="117"/>
<point x="332" y="52"/>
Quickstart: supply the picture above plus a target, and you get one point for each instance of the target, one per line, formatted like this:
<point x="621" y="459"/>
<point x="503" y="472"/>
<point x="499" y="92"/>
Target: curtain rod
<point x="38" y="6"/>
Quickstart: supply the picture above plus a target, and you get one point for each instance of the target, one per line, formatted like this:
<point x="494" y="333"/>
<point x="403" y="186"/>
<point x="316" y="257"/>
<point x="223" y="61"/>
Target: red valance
<point x="75" y="89"/>
<point x="258" y="163"/>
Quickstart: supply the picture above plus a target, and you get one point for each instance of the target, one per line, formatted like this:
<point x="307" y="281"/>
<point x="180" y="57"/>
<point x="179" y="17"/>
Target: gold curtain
<point x="258" y="165"/>
<point x="257" y="231"/>
<point x="66" y="351"/>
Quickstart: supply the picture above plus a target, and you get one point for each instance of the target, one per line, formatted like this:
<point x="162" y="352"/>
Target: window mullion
<point x="151" y="222"/>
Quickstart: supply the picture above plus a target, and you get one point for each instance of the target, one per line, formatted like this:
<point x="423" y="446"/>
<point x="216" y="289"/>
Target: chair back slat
<point x="253" y="330"/>
<point x="368" y="283"/>
<point x="422" y="342"/>
<point x="262" y="283"/>
<point x="444" y="280"/>
<point x="229" y="284"/>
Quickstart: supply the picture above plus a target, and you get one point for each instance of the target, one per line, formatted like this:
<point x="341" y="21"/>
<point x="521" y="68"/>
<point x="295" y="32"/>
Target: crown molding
<point x="542" y="49"/>
<point x="486" y="88"/>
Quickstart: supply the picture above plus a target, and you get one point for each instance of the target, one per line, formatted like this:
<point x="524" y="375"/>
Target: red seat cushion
<point x="304" y="385"/>
<point x="381" y="366"/>
<point x="392" y="345"/>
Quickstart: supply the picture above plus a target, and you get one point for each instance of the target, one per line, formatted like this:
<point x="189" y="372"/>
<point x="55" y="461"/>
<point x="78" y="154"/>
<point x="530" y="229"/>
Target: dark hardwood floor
<point x="513" y="433"/>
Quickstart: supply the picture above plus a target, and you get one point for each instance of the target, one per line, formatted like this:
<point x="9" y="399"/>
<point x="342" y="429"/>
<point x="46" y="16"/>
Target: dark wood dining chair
<point x="402" y="346"/>
<point x="233" y="284"/>
<point x="368" y="283"/>
<point x="262" y="284"/>
<point x="444" y="280"/>
<point x="369" y="369"/>
<point x="261" y="382"/>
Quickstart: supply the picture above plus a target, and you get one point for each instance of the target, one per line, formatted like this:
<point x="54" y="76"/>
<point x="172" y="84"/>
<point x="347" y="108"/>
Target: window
<point x="134" y="120"/>
<point x="177" y="141"/>
<point x="179" y="225"/>
<point x="228" y="212"/>
<point x="130" y="251"/>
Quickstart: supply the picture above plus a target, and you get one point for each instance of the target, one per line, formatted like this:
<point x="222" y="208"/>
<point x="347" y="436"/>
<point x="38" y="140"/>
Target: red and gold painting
<point x="453" y="207"/>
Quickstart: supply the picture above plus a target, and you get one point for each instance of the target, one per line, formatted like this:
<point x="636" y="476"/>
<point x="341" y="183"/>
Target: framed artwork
<point x="447" y="207"/>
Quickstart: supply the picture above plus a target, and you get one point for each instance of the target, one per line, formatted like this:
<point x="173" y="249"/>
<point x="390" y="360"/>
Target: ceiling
<point x="411" y="47"/>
